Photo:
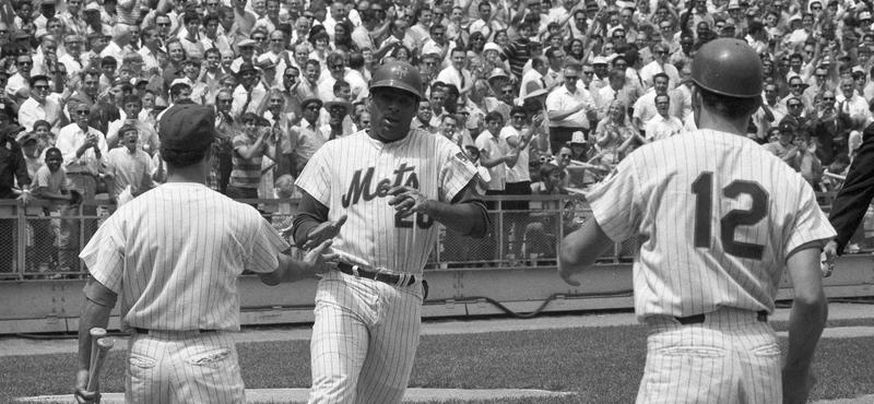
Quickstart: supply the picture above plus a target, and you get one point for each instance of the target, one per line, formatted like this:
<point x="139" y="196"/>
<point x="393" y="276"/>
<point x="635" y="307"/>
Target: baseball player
<point x="718" y="218"/>
<point x="391" y="184"/>
<point x="173" y="255"/>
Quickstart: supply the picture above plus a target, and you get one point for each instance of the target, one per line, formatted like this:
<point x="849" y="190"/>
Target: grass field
<point x="601" y="365"/>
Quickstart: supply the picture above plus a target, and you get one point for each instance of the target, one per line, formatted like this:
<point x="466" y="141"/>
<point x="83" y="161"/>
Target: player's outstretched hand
<point x="829" y="253"/>
<point x="80" y="394"/>
<point x="407" y="201"/>
<point x="322" y="232"/>
<point x="322" y="258"/>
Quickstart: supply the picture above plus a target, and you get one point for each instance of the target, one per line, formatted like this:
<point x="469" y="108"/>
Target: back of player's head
<point x="186" y="132"/>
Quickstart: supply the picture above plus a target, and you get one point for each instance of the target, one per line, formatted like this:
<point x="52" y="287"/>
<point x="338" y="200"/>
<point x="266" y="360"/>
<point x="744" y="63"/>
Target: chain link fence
<point x="43" y="240"/>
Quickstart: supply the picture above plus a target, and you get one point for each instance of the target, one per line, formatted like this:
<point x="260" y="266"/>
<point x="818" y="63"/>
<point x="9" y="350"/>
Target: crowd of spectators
<point x="545" y="95"/>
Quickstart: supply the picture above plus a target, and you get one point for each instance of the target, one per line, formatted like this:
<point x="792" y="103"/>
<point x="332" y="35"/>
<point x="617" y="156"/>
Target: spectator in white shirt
<point x="644" y="107"/>
<point x="660" y="64"/>
<point x="128" y="167"/>
<point x="456" y="73"/>
<point x="570" y="108"/>
<point x="41" y="105"/>
<point x="663" y="125"/>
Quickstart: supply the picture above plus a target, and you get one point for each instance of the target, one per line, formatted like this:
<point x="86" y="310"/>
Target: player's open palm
<point x="324" y="231"/>
<point x="322" y="258"/>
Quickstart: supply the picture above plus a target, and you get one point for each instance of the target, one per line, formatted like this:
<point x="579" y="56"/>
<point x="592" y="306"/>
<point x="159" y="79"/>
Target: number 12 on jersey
<point x="703" y="190"/>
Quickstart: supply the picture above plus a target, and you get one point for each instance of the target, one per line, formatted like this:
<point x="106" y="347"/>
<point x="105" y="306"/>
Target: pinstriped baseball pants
<point x="729" y="358"/>
<point x="183" y="368"/>
<point x="364" y="340"/>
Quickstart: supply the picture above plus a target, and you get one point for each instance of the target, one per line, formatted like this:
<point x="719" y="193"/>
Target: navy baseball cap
<point x="187" y="127"/>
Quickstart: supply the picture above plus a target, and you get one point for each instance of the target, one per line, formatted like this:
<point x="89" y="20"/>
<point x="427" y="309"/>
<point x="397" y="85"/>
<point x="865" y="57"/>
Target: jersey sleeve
<point x="811" y="223"/>
<point x="265" y="247"/>
<point x="104" y="254"/>
<point x="613" y="202"/>
<point x="456" y="170"/>
<point x="315" y="177"/>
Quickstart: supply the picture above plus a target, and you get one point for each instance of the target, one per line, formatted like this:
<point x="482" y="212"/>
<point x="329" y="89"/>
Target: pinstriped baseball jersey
<point x="173" y="255"/>
<point x="351" y="175"/>
<point x="717" y="217"/>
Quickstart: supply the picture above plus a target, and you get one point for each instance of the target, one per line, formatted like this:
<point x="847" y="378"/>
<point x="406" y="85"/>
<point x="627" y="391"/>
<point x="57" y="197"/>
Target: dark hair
<point x="42" y="122"/>
<point x="339" y="84"/>
<point x="132" y="99"/>
<point x="494" y="116"/>
<point x="518" y="110"/>
<point x="182" y="159"/>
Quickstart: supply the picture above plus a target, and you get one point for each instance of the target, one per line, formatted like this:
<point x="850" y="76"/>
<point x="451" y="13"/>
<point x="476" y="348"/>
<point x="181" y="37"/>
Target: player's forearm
<point x="93" y="315"/>
<point x="288" y="270"/>
<point x="581" y="248"/>
<point x="806" y="322"/>
<point x="467" y="218"/>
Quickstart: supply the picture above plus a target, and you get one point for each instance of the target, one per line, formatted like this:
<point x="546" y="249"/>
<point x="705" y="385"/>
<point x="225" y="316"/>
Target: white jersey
<point x="717" y="217"/>
<point x="173" y="255"/>
<point x="351" y="176"/>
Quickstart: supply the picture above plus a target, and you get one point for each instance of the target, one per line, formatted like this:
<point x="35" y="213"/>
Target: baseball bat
<point x="96" y="334"/>
<point x="103" y="347"/>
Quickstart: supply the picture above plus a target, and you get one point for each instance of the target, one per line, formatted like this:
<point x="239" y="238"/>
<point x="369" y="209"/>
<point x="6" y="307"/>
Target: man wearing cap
<point x="41" y="105"/>
<point x="246" y="50"/>
<point x="205" y="240"/>
<point x="338" y="114"/>
<point x="403" y="181"/>
<point x="250" y="92"/>
<point x="12" y="168"/>
<point x="307" y="137"/>
<point x="705" y="283"/>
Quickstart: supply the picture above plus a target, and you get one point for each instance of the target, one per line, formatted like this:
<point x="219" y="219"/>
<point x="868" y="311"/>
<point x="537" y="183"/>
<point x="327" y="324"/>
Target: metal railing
<point x="46" y="238"/>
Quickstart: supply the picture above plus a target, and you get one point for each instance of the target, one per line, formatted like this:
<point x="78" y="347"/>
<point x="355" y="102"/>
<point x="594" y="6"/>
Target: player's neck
<point x="712" y="121"/>
<point x="194" y="173"/>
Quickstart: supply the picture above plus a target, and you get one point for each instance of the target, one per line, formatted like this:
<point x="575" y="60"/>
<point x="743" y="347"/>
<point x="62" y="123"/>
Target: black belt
<point x="761" y="316"/>
<point x="390" y="279"/>
<point x="146" y="331"/>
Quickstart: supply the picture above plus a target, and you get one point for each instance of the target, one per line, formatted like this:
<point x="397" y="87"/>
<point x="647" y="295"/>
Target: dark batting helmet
<point x="400" y="75"/>
<point x="729" y="67"/>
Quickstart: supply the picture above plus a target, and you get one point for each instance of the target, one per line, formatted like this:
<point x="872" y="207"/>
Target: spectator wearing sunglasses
<point x="18" y="85"/>
<point x="41" y="105"/>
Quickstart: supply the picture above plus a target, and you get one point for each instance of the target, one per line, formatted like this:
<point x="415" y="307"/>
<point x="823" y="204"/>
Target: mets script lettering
<point x="361" y="188"/>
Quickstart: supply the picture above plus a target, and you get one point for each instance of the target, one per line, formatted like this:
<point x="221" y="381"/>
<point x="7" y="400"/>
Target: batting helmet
<point x="400" y="75"/>
<point x="729" y="67"/>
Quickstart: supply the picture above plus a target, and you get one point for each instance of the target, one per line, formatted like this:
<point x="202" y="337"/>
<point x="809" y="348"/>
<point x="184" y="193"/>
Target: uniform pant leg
<point x="206" y="369"/>
<point x="147" y="378"/>
<point x="340" y="338"/>
<point x="394" y="340"/>
<point x="688" y="364"/>
<point x="760" y="359"/>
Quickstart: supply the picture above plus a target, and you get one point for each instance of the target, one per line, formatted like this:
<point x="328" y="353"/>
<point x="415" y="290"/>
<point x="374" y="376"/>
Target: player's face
<point x="391" y="111"/>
